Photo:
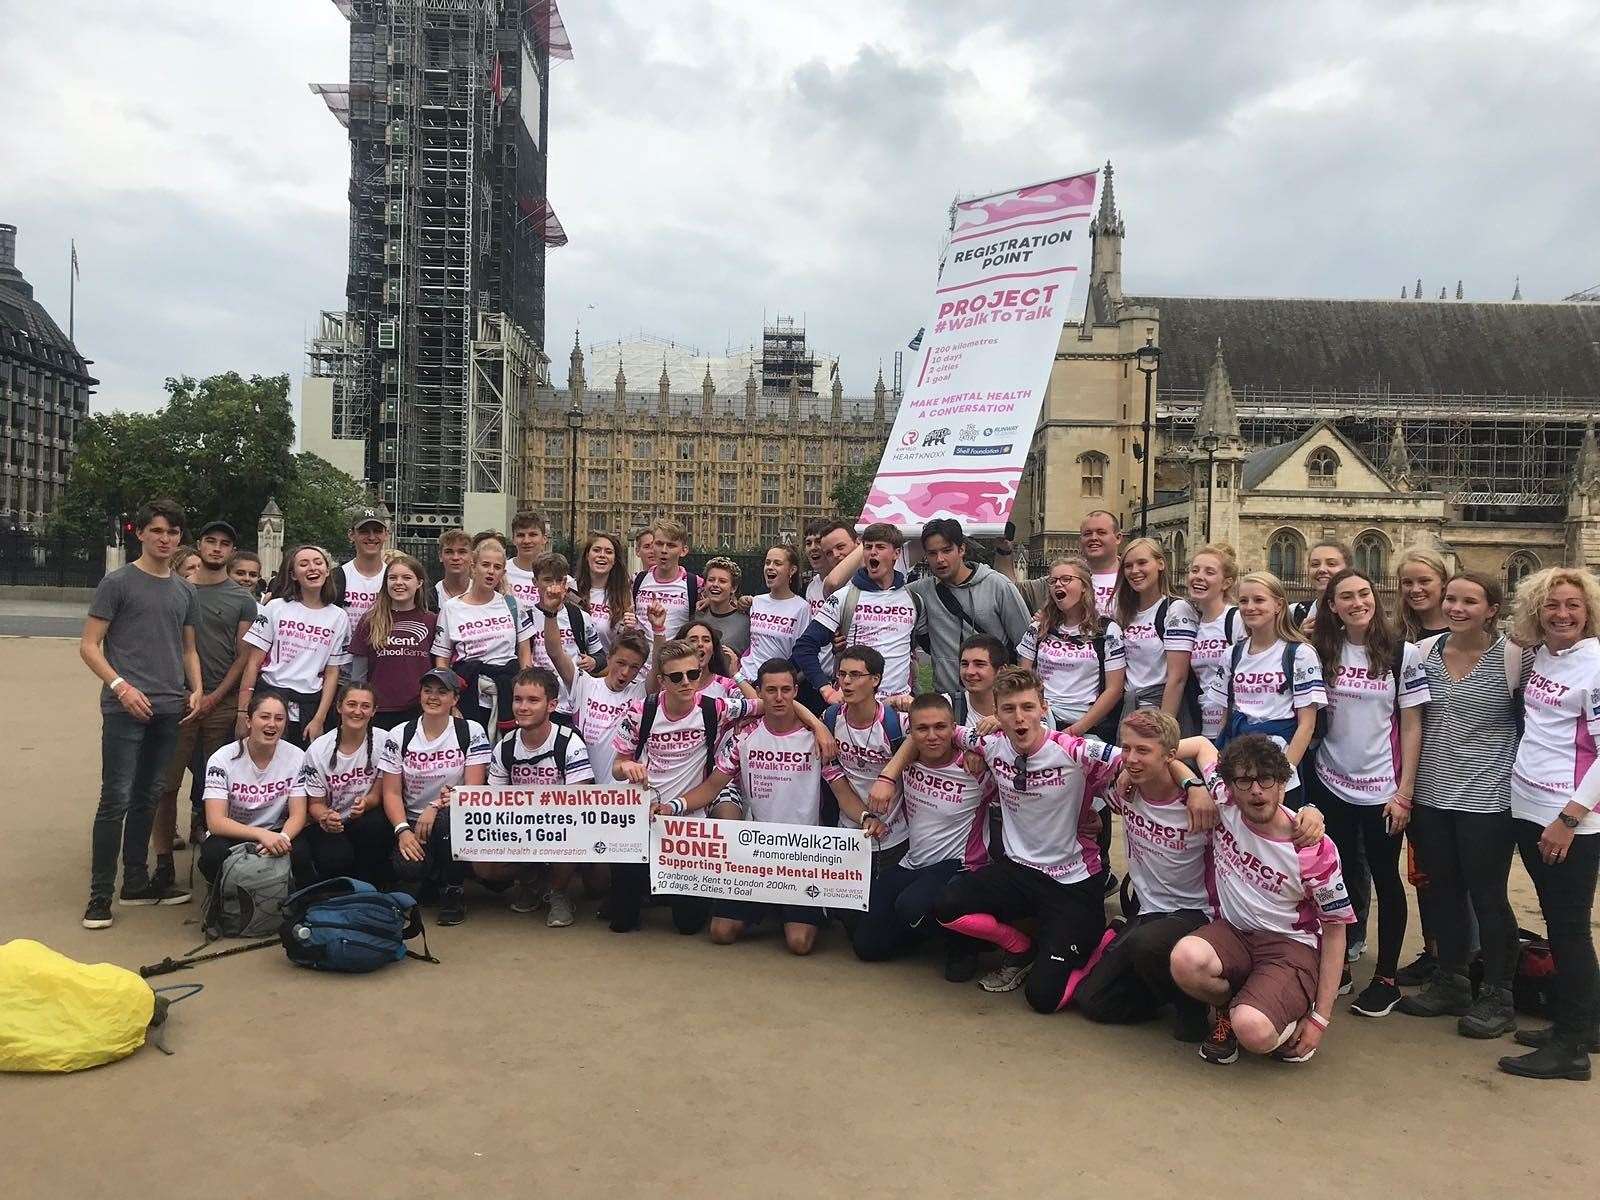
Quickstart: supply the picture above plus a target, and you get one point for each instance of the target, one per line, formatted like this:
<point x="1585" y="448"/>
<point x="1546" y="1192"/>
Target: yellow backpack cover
<point x="61" y="1015"/>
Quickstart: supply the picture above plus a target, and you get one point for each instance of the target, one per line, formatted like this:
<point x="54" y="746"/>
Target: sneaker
<point x="1284" y="1055"/>
<point x="960" y="966"/>
<point x="1491" y="1015"/>
<point x="1354" y="951"/>
<point x="525" y="897"/>
<point x="153" y="892"/>
<point x="1554" y="1060"/>
<point x="98" y="914"/>
<point x="1346" y="983"/>
<point x="1538" y="1038"/>
<point x="1418" y="971"/>
<point x="1377" y="999"/>
<point x="1446" y="993"/>
<point x="1007" y="977"/>
<point x="1111" y="884"/>
<point x="1220" y="1046"/>
<point x="452" y="905"/>
<point x="561" y="913"/>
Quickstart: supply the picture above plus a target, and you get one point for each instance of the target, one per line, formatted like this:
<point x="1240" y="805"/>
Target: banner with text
<point x="807" y="865"/>
<point x="1005" y="287"/>
<point x="578" y="823"/>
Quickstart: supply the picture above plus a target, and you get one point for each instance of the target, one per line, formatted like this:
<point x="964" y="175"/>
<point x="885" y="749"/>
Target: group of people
<point x="1275" y="768"/>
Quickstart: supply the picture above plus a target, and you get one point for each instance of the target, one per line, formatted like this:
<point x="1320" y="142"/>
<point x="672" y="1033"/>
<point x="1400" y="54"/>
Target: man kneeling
<point x="1259" y="967"/>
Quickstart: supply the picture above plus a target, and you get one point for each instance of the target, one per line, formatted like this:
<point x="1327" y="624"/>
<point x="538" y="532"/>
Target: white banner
<point x="580" y="823"/>
<point x="1007" y="283"/>
<point x="806" y="865"/>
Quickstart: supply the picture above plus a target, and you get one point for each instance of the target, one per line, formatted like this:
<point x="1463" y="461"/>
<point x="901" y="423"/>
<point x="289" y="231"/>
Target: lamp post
<point x="1148" y="358"/>
<point x="574" y="427"/>
<point x="1209" y="443"/>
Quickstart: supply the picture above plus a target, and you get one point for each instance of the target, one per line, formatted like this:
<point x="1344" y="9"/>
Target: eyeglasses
<point x="688" y="676"/>
<point x="1019" y="776"/>
<point x="1252" y="783"/>
<point x="854" y="674"/>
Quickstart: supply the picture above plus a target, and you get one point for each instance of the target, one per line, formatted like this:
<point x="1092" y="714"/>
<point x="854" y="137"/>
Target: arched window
<point x="1322" y="468"/>
<point x="1372" y="555"/>
<point x="1518" y="567"/>
<point x="1179" y="558"/>
<point x="1094" y="472"/>
<point x="1285" y="552"/>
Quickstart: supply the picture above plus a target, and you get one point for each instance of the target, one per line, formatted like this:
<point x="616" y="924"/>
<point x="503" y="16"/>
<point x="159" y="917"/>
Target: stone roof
<point x="1262" y="463"/>
<point x="1408" y="347"/>
<point x="27" y="330"/>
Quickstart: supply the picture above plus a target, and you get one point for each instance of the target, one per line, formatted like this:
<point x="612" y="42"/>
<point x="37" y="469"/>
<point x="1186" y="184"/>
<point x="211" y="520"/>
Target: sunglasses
<point x="688" y="676"/>
<point x="1019" y="776"/>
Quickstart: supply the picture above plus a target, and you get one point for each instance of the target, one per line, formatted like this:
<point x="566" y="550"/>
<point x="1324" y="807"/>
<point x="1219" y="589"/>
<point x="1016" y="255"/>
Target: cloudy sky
<point x="716" y="159"/>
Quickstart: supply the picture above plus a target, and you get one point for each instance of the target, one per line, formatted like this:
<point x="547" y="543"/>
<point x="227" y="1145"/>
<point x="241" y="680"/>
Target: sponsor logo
<point x="599" y="847"/>
<point x="937" y="437"/>
<point x="968" y="432"/>
<point x="981" y="451"/>
<point x="813" y="891"/>
<point x="908" y="438"/>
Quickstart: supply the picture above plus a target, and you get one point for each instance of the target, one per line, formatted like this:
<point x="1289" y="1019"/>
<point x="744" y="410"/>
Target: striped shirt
<point x="1469" y="735"/>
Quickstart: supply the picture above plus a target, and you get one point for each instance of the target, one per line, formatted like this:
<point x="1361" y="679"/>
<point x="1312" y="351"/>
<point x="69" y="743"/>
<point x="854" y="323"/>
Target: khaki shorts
<point x="1270" y="972"/>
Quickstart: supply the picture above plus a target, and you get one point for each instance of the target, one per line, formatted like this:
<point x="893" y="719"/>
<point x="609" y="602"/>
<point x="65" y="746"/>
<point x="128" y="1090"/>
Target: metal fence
<point x="39" y="560"/>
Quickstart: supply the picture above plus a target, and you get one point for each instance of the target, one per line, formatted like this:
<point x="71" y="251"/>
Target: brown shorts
<point x="1271" y="972"/>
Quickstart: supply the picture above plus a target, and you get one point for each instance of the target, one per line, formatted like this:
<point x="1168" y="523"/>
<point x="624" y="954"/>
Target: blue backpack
<point x="347" y="925"/>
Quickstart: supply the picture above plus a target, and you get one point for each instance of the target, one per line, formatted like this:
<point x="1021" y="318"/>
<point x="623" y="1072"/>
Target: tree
<point x="316" y="503"/>
<point x="220" y="447"/>
<point x="850" y="490"/>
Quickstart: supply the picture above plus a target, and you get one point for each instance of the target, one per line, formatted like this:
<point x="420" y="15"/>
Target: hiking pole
<point x="168" y="965"/>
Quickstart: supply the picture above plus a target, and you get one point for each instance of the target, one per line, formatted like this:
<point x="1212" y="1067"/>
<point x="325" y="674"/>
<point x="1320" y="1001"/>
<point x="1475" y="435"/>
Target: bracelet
<point x="678" y="807"/>
<point x="401" y="827"/>
<point x="886" y="778"/>
<point x="115" y="684"/>
<point x="1317" y="1019"/>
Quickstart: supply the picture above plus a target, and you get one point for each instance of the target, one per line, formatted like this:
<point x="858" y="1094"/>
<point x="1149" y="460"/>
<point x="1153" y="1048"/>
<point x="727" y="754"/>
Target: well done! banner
<point x="966" y="419"/>
<point x="578" y="823"/>
<point x="806" y="865"/>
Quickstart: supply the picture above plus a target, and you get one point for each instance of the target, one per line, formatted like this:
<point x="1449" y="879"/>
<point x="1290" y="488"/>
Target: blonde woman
<point x="484" y="636"/>
<point x="1158" y="631"/>
<point x="1554" y="791"/>
<point x="395" y="636"/>
<point x="1213" y="574"/>
<point x="1077" y="656"/>
<point x="1421" y="575"/>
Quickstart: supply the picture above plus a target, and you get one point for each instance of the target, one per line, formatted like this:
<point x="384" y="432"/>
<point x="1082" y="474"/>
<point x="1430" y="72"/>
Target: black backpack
<point x="508" y="750"/>
<point x="409" y="731"/>
<point x="708" y="713"/>
<point x="1189" y="703"/>
<point x="691" y="581"/>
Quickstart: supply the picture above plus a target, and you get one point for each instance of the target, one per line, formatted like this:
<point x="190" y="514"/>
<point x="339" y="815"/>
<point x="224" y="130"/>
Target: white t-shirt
<point x="1260" y="692"/>
<point x="1068" y="666"/>
<point x="440" y="596"/>
<point x="1359" y="759"/>
<point x="884" y="621"/>
<point x="538" y="767"/>
<point x="1105" y="590"/>
<point x="481" y="632"/>
<point x="360" y="591"/>
<point x="947" y="814"/>
<point x="256" y="796"/>
<point x="431" y="765"/>
<point x="1166" y="859"/>
<point x="1561" y="708"/>
<point x="1147" y="652"/>
<point x="1040" y="825"/>
<point x="775" y="626"/>
<point x="778" y="774"/>
<point x="672" y="596"/>
<point x="972" y="717"/>
<point x="351" y="776"/>
<point x="1208" y="662"/>
<point x="300" y="643"/>
<point x="569" y="642"/>
<point x="863" y="751"/>
<point x="816" y="597"/>
<point x="675" y="754"/>
<point x="522" y="585"/>
<point x="599" y="613"/>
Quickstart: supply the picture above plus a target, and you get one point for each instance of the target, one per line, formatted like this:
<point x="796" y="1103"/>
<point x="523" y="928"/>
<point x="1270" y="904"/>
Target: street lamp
<point x="1148" y="358"/>
<point x="1209" y="443"/>
<point x="574" y="427"/>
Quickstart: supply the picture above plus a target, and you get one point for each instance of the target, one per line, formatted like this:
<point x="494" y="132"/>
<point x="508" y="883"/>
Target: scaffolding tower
<point x="784" y="357"/>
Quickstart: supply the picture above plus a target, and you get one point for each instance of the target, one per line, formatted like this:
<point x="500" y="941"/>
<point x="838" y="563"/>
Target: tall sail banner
<point x="965" y="422"/>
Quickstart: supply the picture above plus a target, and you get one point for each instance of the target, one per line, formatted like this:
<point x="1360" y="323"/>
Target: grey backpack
<point x="249" y="896"/>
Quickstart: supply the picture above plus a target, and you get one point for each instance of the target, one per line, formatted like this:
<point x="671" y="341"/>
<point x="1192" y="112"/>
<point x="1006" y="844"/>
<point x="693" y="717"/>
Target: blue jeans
<point x="133" y="760"/>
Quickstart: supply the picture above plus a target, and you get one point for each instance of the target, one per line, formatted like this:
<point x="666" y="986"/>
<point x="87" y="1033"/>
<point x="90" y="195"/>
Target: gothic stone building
<point x="1454" y="425"/>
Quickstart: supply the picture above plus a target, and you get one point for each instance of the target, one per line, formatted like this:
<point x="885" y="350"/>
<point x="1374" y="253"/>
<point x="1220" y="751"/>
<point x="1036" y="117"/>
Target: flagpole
<point x="72" y="292"/>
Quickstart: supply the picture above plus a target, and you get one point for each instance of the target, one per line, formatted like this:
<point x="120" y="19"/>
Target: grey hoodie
<point x="988" y="602"/>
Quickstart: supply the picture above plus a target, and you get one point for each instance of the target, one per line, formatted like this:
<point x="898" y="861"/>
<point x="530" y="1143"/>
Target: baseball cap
<point x="368" y="516"/>
<point x="444" y="676"/>
<point x="219" y="527"/>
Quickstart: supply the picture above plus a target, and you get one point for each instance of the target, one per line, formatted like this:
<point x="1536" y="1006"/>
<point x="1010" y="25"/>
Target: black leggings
<point x="630" y="884"/>
<point x="1359" y="833"/>
<point x="362" y="849"/>
<point x="1566" y="898"/>
<point x="900" y="911"/>
<point x="1467" y="859"/>
<point x="438" y="865"/>
<point x="215" y="848"/>
<point x="1133" y="979"/>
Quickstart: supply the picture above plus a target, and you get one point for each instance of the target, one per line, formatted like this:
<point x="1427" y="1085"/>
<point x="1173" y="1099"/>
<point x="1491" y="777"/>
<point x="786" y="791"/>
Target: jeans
<point x="900" y="908"/>
<point x="1467" y="859"/>
<point x="1566" y="897"/>
<point x="133" y="756"/>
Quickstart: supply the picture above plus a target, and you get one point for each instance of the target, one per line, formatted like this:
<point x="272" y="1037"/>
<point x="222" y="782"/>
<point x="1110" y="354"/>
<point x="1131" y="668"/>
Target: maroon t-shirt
<point x="396" y="671"/>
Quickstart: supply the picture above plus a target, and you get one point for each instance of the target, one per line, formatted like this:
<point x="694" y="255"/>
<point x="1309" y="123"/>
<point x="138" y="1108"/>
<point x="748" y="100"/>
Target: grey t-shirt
<point x="144" y="641"/>
<point x="734" y="628"/>
<point x="223" y="606"/>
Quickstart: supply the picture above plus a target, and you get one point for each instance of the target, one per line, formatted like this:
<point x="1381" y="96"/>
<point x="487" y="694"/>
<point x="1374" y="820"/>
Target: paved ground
<point x="42" y="618"/>
<point x="579" y="1063"/>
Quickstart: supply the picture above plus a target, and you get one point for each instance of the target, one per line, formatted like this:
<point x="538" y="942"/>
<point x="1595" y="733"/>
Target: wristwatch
<point x="1190" y="784"/>
<point x="1568" y="820"/>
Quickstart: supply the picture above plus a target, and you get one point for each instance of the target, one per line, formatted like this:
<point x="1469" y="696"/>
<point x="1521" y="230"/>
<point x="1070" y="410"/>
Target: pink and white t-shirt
<point x="1359" y="759"/>
<point x="536" y="766"/>
<point x="1264" y="884"/>
<point x="1040" y="823"/>
<point x="1166" y="859"/>
<point x="600" y="616"/>
<point x="431" y="764"/>
<point x="301" y="643"/>
<point x="1208" y="662"/>
<point x="675" y="753"/>
<point x="947" y="814"/>
<point x="1561" y="710"/>
<point x="256" y="796"/>
<point x="672" y="595"/>
<point x="1105" y="590"/>
<point x="360" y="591"/>
<point x="1146" y="650"/>
<point x="778" y="774"/>
<point x="775" y="626"/>
<point x="883" y="620"/>
<point x="347" y="778"/>
<point x="596" y="713"/>
<point x="481" y="632"/>
<point x="522" y="584"/>
<point x="863" y="752"/>
<point x="1068" y="666"/>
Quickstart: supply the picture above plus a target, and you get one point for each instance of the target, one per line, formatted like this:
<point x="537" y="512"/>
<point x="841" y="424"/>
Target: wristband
<point x="678" y="807"/>
<point x="1317" y="1019"/>
<point x="115" y="683"/>
<point x="401" y="827"/>
<point x="886" y="778"/>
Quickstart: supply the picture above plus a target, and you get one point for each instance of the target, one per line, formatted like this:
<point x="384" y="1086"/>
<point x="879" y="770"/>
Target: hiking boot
<point x="153" y="892"/>
<point x="525" y="897"/>
<point x="1007" y="977"/>
<point x="1220" y="1046"/>
<point x="1446" y="992"/>
<point x="1377" y="999"/>
<point x="1191" y="1023"/>
<point x="1490" y="1016"/>
<point x="452" y="905"/>
<point x="1418" y="971"/>
<point x="1555" y="1060"/>
<point x="1539" y="1038"/>
<point x="98" y="914"/>
<point x="960" y="965"/>
<point x="560" y="911"/>
<point x="1354" y="951"/>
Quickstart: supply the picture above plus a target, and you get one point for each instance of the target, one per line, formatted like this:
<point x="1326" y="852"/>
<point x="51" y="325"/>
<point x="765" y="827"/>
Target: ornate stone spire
<point x="1219" y="415"/>
<point x="664" y="384"/>
<point x="794" y="397"/>
<point x="1460" y="295"/>
<point x="1586" y="471"/>
<point x="838" y="394"/>
<point x="1442" y="295"/>
<point x="621" y="385"/>
<point x="1403" y="295"/>
<point x="1418" y="293"/>
<point x="1398" y="465"/>
<point x="751" y="390"/>
<point x="575" y="380"/>
<point x="708" y="390"/>
<point x="1516" y="292"/>
<point x="1107" y="220"/>
<point x="879" y="392"/>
